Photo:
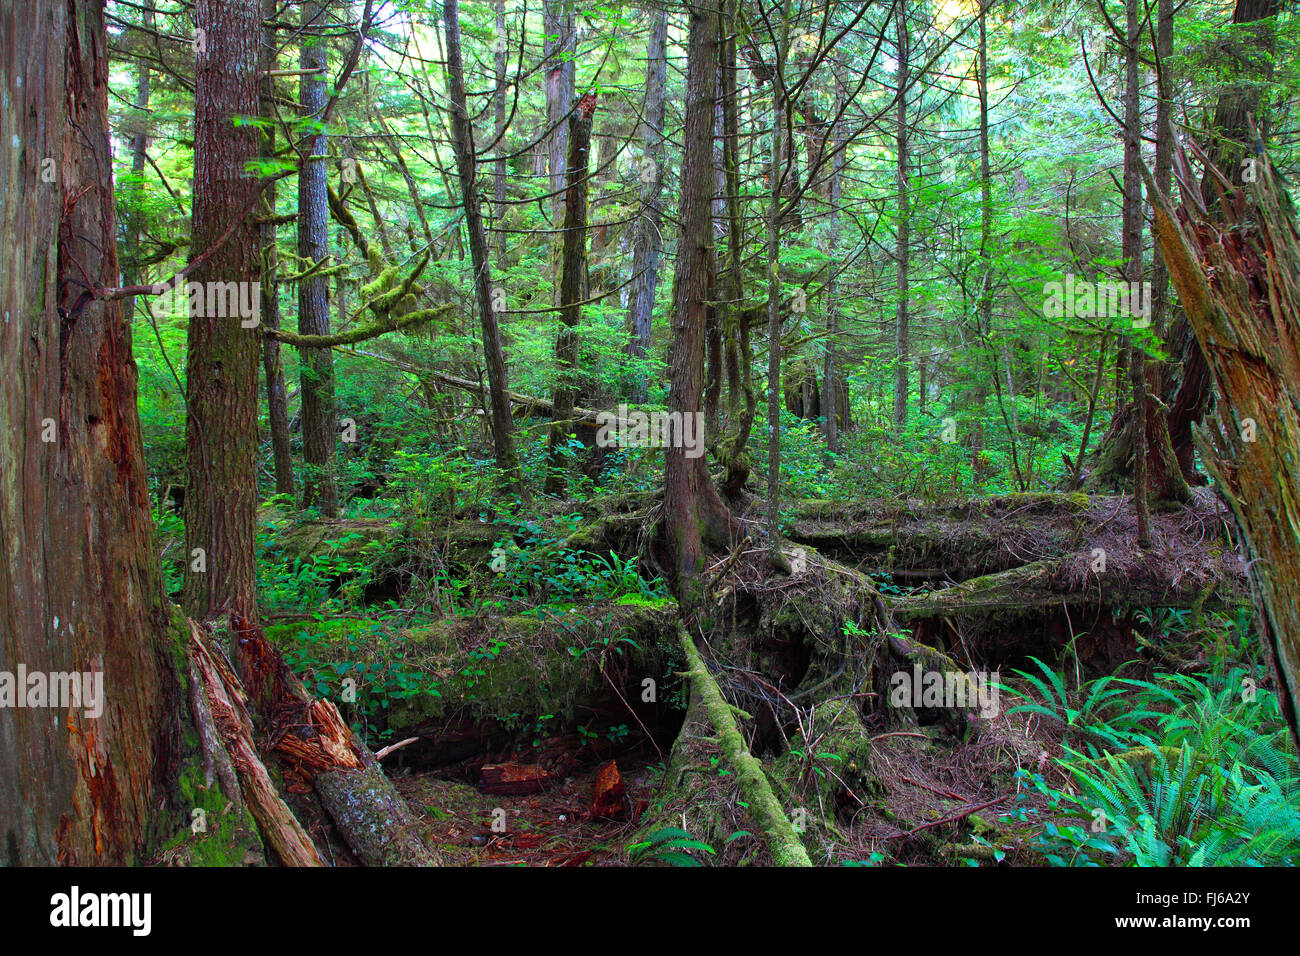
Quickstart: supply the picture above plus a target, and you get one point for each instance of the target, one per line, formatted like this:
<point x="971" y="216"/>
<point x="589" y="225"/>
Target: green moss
<point x="640" y="600"/>
<point x="228" y="836"/>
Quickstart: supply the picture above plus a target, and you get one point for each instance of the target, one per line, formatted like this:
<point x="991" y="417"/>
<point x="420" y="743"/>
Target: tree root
<point x="764" y="808"/>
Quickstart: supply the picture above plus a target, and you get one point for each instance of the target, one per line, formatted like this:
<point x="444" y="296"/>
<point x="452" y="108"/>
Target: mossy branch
<point x="356" y="335"/>
<point x="317" y="268"/>
<point x="764" y="808"/>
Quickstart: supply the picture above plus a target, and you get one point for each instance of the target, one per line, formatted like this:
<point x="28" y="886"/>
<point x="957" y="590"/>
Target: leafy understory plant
<point x="669" y="845"/>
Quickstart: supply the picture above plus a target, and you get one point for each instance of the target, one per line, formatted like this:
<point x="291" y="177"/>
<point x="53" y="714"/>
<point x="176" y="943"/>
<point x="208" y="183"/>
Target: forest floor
<point x="513" y="711"/>
<point x="553" y="827"/>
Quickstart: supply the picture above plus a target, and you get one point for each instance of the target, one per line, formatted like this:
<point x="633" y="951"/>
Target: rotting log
<point x="372" y="817"/>
<point x="764" y="808"/>
<point x="314" y="742"/>
<point x="234" y="726"/>
<point x="979" y="537"/>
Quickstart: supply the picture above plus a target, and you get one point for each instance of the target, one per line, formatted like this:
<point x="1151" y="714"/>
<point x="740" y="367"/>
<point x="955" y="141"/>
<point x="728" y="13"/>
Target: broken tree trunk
<point x="232" y="745"/>
<point x="315" y="743"/>
<point x="1237" y="279"/>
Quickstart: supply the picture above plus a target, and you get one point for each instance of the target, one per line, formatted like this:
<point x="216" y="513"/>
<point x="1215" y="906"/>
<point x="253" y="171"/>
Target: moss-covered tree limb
<point x="764" y="807"/>
<point x="359" y="334"/>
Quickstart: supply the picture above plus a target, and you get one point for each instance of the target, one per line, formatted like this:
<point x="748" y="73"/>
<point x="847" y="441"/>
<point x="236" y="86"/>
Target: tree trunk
<point x="779" y="169"/>
<point x="463" y="144"/>
<point x="902" y="251"/>
<point x="277" y="397"/>
<point x="499" y="110"/>
<point x="647" y="240"/>
<point x="1192" y="396"/>
<point x="132" y="270"/>
<point x="1250" y="48"/>
<point x="319" y="484"/>
<point x="694" y="512"/>
<point x="1132" y="253"/>
<point x="222" y="354"/>
<point x="572" y="282"/>
<point x="984" y="304"/>
<point x="1165" y="475"/>
<point x="829" y="409"/>
<point x="558" y="53"/>
<point x="1238" y="288"/>
<point x="731" y="450"/>
<point x="81" y="592"/>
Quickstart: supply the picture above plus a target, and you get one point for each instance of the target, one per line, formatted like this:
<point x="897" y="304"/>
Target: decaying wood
<point x="373" y="818"/>
<point x="317" y="743"/>
<point x="230" y="716"/>
<point x="1239" y="281"/>
<point x="1032" y="551"/>
<point x="312" y="738"/>
<point x="517" y="779"/>
<point x="609" y="795"/>
<point x="1047" y="585"/>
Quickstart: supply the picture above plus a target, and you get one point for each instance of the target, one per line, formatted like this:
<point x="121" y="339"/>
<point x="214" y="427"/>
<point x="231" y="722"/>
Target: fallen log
<point x="1047" y="585"/>
<point x="1032" y="552"/>
<point x="515" y="779"/>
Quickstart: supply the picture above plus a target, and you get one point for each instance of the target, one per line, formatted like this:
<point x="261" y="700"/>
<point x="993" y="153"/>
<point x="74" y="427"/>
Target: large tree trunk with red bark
<point x="113" y="700"/>
<point x="80" y="587"/>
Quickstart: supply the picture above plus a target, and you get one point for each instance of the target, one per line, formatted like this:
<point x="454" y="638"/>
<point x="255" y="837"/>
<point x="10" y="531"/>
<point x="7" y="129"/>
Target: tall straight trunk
<point x="694" y="512"/>
<point x="558" y="50"/>
<point x="132" y="270"/>
<point x="647" y="239"/>
<point x="319" y="485"/>
<point x="835" y="191"/>
<point x="902" y="342"/>
<point x="80" y="586"/>
<point x="572" y="291"/>
<point x="466" y="167"/>
<point x="1132" y="253"/>
<point x="714" y="349"/>
<point x="222" y="354"/>
<point x="277" y="396"/>
<point x="984" y="304"/>
<point x="731" y="450"/>
<point x="499" y="109"/>
<point x="779" y="166"/>
<point x="1165" y="479"/>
